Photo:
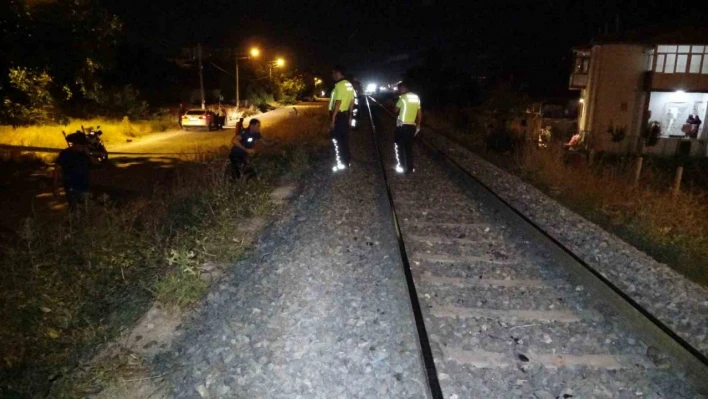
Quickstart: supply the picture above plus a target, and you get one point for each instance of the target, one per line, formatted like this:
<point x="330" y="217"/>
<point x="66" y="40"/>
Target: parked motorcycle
<point x="95" y="145"/>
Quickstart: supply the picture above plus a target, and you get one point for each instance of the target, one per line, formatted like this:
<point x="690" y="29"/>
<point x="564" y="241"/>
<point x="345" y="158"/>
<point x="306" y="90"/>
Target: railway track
<point x="503" y="311"/>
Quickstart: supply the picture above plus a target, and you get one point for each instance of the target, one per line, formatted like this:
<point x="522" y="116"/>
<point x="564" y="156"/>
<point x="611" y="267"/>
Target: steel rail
<point x="640" y="320"/>
<point x="426" y="351"/>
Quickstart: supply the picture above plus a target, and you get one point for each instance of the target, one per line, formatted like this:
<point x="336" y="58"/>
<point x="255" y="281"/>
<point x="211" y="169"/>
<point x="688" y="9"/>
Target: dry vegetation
<point x="114" y="131"/>
<point x="672" y="229"/>
<point x="70" y="286"/>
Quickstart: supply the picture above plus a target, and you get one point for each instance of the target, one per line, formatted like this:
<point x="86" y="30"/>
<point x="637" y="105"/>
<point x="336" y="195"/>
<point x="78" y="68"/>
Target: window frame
<point x="663" y="53"/>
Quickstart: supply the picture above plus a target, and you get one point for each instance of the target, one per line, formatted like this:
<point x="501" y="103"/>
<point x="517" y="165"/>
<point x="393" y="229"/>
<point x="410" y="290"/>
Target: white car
<point x="199" y="118"/>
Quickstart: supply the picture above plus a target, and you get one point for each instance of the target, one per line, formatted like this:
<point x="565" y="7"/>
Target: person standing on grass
<point x="180" y="113"/>
<point x="408" y="123"/>
<point x="243" y="144"/>
<point x="75" y="163"/>
<point x="340" y="110"/>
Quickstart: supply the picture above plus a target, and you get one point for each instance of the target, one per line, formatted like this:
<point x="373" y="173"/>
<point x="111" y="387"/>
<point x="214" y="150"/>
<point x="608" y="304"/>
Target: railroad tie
<point x="484" y="359"/>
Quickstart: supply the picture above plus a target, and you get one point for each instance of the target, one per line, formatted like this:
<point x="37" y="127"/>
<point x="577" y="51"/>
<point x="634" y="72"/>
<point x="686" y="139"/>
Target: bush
<point x="122" y="101"/>
<point x="28" y="100"/>
<point x="290" y="89"/>
<point x="259" y="96"/>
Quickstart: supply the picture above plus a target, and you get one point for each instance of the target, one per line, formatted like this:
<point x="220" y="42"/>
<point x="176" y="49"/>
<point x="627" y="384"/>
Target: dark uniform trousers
<point x="404" y="146"/>
<point x="340" y="136"/>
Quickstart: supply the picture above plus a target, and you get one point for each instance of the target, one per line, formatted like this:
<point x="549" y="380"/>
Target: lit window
<point x="582" y="65"/>
<point x="649" y="60"/>
<point x="670" y="63"/>
<point x="680" y="59"/>
<point x="660" y="63"/>
<point x="704" y="70"/>
<point x="695" y="63"/>
<point x="681" y="62"/>
<point x="666" y="49"/>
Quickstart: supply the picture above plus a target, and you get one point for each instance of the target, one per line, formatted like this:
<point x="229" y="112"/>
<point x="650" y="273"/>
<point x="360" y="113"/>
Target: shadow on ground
<point x="26" y="187"/>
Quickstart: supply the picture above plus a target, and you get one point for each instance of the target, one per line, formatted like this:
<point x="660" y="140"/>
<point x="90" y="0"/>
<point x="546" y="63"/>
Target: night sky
<point x="379" y="40"/>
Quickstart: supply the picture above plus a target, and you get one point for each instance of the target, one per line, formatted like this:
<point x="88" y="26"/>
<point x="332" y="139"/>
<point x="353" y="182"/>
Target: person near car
<point x="220" y="117"/>
<point x="340" y="109"/>
<point x="243" y="144"/>
<point x="408" y="123"/>
<point x="182" y="110"/>
<point x="74" y="164"/>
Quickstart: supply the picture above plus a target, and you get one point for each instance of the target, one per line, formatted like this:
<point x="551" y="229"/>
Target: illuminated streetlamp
<point x="279" y="63"/>
<point x="253" y="53"/>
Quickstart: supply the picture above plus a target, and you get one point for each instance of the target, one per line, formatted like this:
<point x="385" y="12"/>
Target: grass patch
<point x="68" y="287"/>
<point x="108" y="372"/>
<point x="672" y="229"/>
<point x="114" y="131"/>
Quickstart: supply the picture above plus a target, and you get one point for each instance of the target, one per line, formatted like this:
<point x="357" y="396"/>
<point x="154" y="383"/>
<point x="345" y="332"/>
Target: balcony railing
<point x="578" y="81"/>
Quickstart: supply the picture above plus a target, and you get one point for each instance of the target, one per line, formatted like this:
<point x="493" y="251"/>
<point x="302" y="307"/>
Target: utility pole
<point x="201" y="75"/>
<point x="238" y="94"/>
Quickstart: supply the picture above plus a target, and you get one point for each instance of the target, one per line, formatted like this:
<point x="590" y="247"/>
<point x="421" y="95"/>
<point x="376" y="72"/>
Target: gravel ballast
<point x="679" y="303"/>
<point x="318" y="310"/>
<point x="506" y="337"/>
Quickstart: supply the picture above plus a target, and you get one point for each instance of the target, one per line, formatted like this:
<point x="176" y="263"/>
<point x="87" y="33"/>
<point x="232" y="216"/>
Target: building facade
<point x="629" y="86"/>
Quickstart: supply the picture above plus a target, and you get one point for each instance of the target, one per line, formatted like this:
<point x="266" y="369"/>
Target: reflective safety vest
<point x="409" y="104"/>
<point x="248" y="139"/>
<point x="344" y="92"/>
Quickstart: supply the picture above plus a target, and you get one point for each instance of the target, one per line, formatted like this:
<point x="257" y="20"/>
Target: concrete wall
<point x="676" y="81"/>
<point x="667" y="147"/>
<point x="614" y="96"/>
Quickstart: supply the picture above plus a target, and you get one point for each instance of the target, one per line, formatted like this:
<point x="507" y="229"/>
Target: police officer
<point x="243" y="144"/>
<point x="408" y="123"/>
<point x="355" y="110"/>
<point x="340" y="109"/>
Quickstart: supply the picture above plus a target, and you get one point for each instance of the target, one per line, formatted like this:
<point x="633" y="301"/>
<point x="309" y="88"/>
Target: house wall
<point x="614" y="95"/>
<point x="675" y="81"/>
<point x="668" y="147"/>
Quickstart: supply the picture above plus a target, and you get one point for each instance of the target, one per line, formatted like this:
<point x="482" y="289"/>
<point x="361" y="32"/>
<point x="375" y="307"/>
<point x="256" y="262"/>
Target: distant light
<point x="581" y="101"/>
<point x="395" y="88"/>
<point x="371" y="87"/>
<point x="255" y="52"/>
<point x="279" y="62"/>
<point x="382" y="88"/>
<point x="322" y="93"/>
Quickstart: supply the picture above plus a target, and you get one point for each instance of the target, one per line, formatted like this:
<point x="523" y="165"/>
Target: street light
<point x="277" y="63"/>
<point x="253" y="53"/>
